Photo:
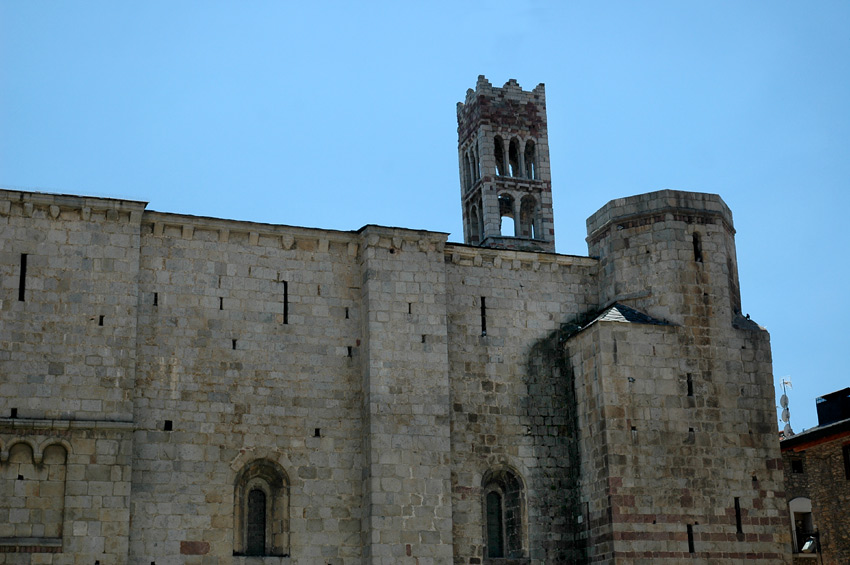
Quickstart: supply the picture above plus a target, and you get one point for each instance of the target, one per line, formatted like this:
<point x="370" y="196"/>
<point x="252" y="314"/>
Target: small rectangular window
<point x="285" y="302"/>
<point x="797" y="464"/>
<point x="22" y="282"/>
<point x="738" y="523"/>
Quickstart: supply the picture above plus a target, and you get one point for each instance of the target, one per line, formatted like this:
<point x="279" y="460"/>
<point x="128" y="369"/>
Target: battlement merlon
<point x="487" y="99"/>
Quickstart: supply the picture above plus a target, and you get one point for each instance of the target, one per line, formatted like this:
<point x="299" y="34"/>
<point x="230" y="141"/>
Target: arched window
<point x="506" y="215"/>
<point x="474" y="226"/>
<point x="528" y="217"/>
<point x="467" y="175"/>
<point x="513" y="157"/>
<point x="261" y="510"/>
<point x="499" y="154"/>
<point x="476" y="160"/>
<point x="504" y="514"/>
<point x="530" y="160"/>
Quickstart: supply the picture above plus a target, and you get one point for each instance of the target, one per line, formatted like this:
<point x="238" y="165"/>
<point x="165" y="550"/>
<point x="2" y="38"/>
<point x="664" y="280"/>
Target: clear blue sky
<point x="340" y="114"/>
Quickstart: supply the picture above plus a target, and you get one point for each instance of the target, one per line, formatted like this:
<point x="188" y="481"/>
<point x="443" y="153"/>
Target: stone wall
<point x="507" y="399"/>
<point x="248" y="350"/>
<point x="68" y="271"/>
<point x="391" y="398"/>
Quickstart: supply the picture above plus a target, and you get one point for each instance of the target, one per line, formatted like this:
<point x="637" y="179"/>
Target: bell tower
<point x="503" y="151"/>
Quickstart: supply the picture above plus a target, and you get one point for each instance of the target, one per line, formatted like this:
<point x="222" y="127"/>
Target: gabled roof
<point x="614" y="313"/>
<point x="621" y="313"/>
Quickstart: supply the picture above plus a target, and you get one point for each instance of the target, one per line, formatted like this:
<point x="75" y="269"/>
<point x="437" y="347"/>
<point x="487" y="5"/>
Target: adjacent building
<point x="817" y="483"/>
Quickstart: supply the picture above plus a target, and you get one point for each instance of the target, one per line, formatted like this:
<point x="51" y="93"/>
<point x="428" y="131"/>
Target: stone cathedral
<point x="187" y="390"/>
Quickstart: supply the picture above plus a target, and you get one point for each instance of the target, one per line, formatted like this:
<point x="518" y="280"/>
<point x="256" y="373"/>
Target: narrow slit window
<point x="346" y="313"/>
<point x="691" y="539"/>
<point x="690" y="385"/>
<point x="22" y="283"/>
<point x="100" y="320"/>
<point x="156" y="299"/>
<point x="233" y="343"/>
<point x="738" y="524"/>
<point x="697" y="248"/>
<point x="483" y="315"/>
<point x="221" y="303"/>
<point x="286" y="303"/>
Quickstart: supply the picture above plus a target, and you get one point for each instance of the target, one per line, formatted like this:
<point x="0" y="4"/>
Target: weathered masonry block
<point x="177" y="389"/>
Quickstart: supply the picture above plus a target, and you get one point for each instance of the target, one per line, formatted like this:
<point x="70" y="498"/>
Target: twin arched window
<point x="261" y="510"/>
<point x="32" y="492"/>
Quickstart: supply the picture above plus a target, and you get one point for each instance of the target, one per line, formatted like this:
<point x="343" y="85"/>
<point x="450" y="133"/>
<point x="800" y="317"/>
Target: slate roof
<point x="814" y="436"/>
<point x="615" y="313"/>
<point x="621" y="313"/>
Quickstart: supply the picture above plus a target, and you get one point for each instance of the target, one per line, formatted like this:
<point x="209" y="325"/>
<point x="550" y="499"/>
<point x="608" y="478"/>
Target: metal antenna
<point x="786" y="412"/>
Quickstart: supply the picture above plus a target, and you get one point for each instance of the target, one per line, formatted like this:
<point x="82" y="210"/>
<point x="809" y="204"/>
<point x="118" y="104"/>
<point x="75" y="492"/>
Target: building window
<point x="506" y="216"/>
<point x="261" y="510"/>
<point x="530" y="160"/>
<point x="513" y="158"/>
<point x="504" y="514"/>
<point x="796" y="465"/>
<point x="32" y="494"/>
<point x="802" y="523"/>
<point x="528" y="217"/>
<point x="499" y="154"/>
<point x="474" y="226"/>
<point x="255" y="535"/>
<point x="495" y="525"/>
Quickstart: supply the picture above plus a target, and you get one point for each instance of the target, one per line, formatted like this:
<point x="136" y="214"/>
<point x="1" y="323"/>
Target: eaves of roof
<point x="816" y="436"/>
